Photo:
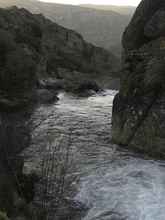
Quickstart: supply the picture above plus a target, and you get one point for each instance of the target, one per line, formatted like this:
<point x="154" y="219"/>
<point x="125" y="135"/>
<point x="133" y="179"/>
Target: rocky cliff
<point x="102" y="28"/>
<point x="48" y="48"/>
<point x="139" y="107"/>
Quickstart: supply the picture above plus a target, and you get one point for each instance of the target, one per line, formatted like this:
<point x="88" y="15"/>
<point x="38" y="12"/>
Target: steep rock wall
<point x="139" y="107"/>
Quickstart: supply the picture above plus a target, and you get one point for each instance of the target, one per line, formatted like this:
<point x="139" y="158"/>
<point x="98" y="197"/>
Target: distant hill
<point x="124" y="10"/>
<point x="100" y="27"/>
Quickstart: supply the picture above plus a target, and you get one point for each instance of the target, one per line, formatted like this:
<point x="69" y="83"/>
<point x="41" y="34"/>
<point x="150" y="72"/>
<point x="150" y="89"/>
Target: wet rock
<point x="86" y="88"/>
<point x="50" y="84"/>
<point x="88" y="85"/>
<point x="81" y="85"/>
<point x="45" y="96"/>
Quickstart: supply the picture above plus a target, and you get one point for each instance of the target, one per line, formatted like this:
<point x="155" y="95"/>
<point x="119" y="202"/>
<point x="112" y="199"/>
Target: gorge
<point x="73" y="147"/>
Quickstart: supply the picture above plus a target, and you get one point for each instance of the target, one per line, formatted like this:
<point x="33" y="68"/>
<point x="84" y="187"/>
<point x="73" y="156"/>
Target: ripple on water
<point x="114" y="184"/>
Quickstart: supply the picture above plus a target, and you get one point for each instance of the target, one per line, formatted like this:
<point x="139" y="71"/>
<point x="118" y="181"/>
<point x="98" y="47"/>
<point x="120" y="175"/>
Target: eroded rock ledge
<point x="139" y="107"/>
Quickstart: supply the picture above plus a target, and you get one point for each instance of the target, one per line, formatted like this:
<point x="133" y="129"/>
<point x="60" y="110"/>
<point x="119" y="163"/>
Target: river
<point x="113" y="183"/>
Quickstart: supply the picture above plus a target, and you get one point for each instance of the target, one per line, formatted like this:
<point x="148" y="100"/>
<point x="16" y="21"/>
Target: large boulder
<point x="139" y="107"/>
<point x="45" y="96"/>
<point x="86" y="88"/>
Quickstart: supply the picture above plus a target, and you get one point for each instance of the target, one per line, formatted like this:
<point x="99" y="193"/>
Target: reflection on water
<point x="115" y="184"/>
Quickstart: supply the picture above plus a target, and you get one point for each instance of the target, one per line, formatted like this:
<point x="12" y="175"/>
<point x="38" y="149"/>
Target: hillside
<point x="124" y="10"/>
<point x="102" y="28"/>
<point x="47" y="49"/>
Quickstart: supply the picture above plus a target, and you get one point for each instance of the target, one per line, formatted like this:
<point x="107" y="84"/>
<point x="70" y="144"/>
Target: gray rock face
<point x="156" y="25"/>
<point x="45" y="96"/>
<point x="134" y="36"/>
<point x="139" y="107"/>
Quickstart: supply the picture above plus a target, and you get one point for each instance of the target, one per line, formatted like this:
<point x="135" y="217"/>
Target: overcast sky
<point x="101" y="2"/>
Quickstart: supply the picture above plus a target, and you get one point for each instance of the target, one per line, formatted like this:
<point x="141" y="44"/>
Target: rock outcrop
<point x="139" y="107"/>
<point x="34" y="48"/>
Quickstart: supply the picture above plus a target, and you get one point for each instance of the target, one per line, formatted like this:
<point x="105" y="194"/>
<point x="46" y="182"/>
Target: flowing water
<point x="114" y="183"/>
